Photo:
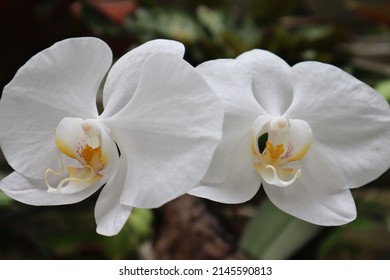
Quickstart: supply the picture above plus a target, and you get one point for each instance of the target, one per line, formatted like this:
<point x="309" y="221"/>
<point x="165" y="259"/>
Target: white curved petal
<point x="34" y="192"/>
<point x="69" y="134"/>
<point x="234" y="128"/>
<point x="61" y="81"/>
<point x="346" y="116"/>
<point x="319" y="196"/>
<point x="260" y="126"/>
<point x="169" y="131"/>
<point x="271" y="80"/>
<point x="122" y="80"/>
<point x="301" y="138"/>
<point x="242" y="181"/>
<point x="232" y="83"/>
<point x="110" y="214"/>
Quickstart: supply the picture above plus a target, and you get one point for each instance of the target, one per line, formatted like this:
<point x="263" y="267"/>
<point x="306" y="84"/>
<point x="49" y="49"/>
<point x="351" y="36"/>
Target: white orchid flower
<point x="154" y="140"/>
<point x="308" y="134"/>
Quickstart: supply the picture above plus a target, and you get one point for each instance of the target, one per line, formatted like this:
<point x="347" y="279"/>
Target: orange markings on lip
<point x="93" y="157"/>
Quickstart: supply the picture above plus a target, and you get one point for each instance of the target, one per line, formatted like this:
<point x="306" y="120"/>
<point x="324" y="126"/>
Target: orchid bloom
<point x="153" y="141"/>
<point x="308" y="134"/>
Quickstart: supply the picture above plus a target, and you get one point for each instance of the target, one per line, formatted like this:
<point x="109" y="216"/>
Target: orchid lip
<point x="80" y="140"/>
<point x="286" y="142"/>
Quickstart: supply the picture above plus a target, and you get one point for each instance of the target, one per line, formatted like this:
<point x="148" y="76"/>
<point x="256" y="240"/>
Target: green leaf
<point x="384" y="89"/>
<point x="5" y="201"/>
<point x="273" y="234"/>
<point x="136" y="230"/>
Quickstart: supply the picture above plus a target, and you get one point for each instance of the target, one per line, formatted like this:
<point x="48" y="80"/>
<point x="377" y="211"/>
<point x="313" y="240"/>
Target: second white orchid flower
<point x="153" y="142"/>
<point x="307" y="133"/>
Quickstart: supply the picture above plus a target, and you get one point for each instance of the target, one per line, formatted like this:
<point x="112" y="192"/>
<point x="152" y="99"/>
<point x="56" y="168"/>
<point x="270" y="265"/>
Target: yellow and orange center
<point x="82" y="143"/>
<point x="273" y="152"/>
<point x="93" y="157"/>
<point x="278" y="147"/>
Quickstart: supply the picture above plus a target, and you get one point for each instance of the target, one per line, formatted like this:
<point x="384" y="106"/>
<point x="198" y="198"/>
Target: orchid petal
<point x="241" y="183"/>
<point x="168" y="131"/>
<point x="34" y="192"/>
<point x="317" y="196"/>
<point x="110" y="214"/>
<point x="232" y="83"/>
<point x="271" y="81"/>
<point x="122" y="80"/>
<point x="301" y="138"/>
<point x="348" y="118"/>
<point x="61" y="81"/>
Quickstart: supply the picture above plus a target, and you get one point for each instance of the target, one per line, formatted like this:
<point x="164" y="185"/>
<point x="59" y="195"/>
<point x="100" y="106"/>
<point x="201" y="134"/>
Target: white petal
<point x="260" y="126"/>
<point x="242" y="181"/>
<point x="168" y="131"/>
<point x="271" y="80"/>
<point x="234" y="129"/>
<point x="319" y="195"/>
<point x="34" y="192"/>
<point x="300" y="137"/>
<point x="232" y="83"/>
<point x="110" y="214"/>
<point x="69" y="134"/>
<point x="57" y="82"/>
<point x="122" y="80"/>
<point x="347" y="117"/>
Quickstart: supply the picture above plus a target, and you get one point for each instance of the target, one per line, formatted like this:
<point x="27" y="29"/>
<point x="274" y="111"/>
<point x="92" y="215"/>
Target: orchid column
<point x="153" y="142"/>
<point x="307" y="133"/>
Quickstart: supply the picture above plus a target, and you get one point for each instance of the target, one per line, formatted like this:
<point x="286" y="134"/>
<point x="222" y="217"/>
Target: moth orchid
<point x="307" y="133"/>
<point x="153" y="141"/>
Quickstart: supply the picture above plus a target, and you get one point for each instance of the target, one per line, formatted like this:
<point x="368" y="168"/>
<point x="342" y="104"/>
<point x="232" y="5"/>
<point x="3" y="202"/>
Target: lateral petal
<point x="231" y="81"/>
<point x="348" y="118"/>
<point x="169" y="131"/>
<point x="242" y="181"/>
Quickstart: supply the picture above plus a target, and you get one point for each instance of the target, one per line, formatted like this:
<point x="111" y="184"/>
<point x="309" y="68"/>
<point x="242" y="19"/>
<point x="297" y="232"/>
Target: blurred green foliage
<point x="383" y="88"/>
<point x="274" y="234"/>
<point x="66" y="232"/>
<point x="227" y="28"/>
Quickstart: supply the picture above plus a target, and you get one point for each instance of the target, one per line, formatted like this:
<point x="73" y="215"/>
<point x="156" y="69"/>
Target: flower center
<point x="80" y="140"/>
<point x="279" y="146"/>
<point x="273" y="152"/>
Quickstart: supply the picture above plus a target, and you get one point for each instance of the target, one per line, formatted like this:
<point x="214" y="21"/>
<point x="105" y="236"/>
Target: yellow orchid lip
<point x="287" y="142"/>
<point x="81" y="141"/>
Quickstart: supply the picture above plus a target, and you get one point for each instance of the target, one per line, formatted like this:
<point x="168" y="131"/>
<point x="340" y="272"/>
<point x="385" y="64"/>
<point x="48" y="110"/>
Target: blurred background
<point x="351" y="34"/>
